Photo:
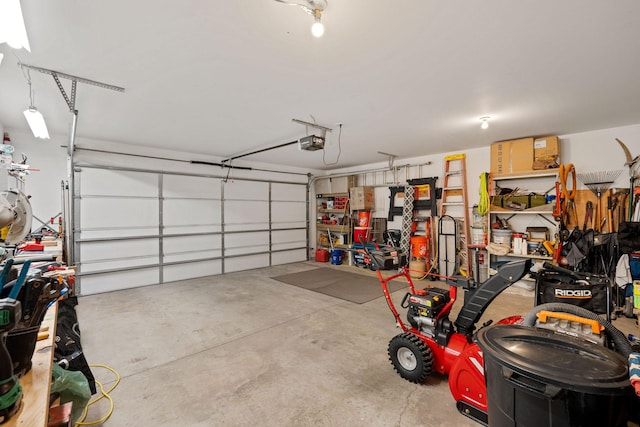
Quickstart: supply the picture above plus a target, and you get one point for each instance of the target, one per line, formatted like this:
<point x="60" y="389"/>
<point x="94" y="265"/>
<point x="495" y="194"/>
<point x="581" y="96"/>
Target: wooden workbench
<point x="34" y="410"/>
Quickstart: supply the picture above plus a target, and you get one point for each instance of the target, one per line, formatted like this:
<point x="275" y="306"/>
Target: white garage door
<point x="137" y="228"/>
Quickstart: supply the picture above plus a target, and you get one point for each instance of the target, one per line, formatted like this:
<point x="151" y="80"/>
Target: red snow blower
<point x="433" y="342"/>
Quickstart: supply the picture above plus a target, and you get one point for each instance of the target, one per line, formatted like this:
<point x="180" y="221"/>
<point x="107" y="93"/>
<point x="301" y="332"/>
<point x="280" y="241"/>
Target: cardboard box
<point x="340" y="184"/>
<point x="524" y="201"/>
<point x="546" y="153"/>
<point x="512" y="156"/>
<point x="362" y="198"/>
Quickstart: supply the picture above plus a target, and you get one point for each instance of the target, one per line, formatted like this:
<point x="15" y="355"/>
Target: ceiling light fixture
<point x="36" y="123"/>
<point x="12" y="29"/>
<point x="313" y="8"/>
<point x="34" y="117"/>
<point x="485" y="122"/>
<point x="317" y="29"/>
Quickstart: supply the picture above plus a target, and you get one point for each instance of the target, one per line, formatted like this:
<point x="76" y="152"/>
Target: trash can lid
<point x="555" y="359"/>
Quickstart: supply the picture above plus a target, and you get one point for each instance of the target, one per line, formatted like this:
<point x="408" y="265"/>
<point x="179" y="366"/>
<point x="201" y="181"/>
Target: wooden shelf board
<point x="525" y="211"/>
<point x="527" y="174"/>
<point x="324" y="227"/>
<point x="542" y="257"/>
<point x="338" y="211"/>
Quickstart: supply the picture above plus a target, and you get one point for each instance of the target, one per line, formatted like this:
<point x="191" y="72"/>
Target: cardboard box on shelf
<point x="512" y="156"/>
<point x="362" y="198"/>
<point x="519" y="202"/>
<point x="340" y="184"/>
<point x="546" y="153"/>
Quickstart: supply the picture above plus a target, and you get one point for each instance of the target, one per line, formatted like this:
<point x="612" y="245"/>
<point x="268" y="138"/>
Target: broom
<point x="598" y="183"/>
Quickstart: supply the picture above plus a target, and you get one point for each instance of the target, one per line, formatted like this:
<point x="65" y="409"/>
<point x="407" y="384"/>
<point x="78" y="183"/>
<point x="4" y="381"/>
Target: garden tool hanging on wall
<point x="598" y="183"/>
<point x="631" y="163"/>
<point x="568" y="195"/>
<point x="588" y="215"/>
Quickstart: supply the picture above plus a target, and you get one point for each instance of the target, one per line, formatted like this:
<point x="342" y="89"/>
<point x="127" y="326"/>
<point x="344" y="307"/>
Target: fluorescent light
<point x="36" y="123"/>
<point x="12" y="29"/>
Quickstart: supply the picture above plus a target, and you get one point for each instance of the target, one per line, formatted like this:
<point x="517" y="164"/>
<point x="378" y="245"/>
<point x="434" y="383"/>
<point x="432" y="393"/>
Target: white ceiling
<point x="407" y="77"/>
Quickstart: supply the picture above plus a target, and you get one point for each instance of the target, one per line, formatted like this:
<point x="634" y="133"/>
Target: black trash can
<point x="537" y="378"/>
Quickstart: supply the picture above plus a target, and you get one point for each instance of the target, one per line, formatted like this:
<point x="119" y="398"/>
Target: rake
<point x="598" y="183"/>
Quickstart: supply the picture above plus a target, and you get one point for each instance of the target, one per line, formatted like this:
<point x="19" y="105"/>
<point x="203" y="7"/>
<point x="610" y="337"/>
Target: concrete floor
<point x="243" y="349"/>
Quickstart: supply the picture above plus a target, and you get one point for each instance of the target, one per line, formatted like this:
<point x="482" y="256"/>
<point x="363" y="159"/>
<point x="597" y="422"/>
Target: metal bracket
<point x="324" y="129"/>
<point x="71" y="103"/>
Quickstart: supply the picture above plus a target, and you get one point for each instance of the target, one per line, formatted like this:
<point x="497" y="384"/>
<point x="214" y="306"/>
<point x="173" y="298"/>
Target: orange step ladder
<point x="455" y="198"/>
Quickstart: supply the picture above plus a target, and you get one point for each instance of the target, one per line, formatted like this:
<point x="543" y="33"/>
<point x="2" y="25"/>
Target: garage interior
<point x="321" y="212"/>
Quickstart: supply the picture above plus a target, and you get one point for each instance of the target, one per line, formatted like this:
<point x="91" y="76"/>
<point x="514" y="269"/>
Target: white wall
<point x="589" y="152"/>
<point x="44" y="185"/>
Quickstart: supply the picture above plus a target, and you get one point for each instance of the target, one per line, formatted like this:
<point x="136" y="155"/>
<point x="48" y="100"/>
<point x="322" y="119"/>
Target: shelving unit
<point x="333" y="216"/>
<point x="544" y="212"/>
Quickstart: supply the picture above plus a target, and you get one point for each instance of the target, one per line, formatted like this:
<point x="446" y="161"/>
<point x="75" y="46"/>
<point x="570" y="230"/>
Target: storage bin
<point x="501" y="236"/>
<point x="537" y="378"/>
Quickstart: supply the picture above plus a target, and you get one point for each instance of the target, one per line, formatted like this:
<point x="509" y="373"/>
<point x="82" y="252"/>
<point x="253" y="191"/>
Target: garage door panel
<point x="192" y="256"/>
<point x="171" y="273"/>
<point x="287" y="257"/>
<point x="245" y="243"/>
<point x="178" y="186"/>
<point x="289" y="214"/>
<point x="104" y="182"/>
<point x="107" y="282"/>
<point x="246" y="215"/>
<point x="246" y="190"/>
<point x="288" y="239"/>
<point x="118" y="213"/>
<point x="291" y="192"/>
<point x="116" y="233"/>
<point x="104" y="250"/>
<point x="177" y="212"/>
<point x="190" y="243"/>
<point x="192" y="270"/>
<point x="190" y="229"/>
<point x="119" y="264"/>
<point x="246" y="263"/>
<point x="189" y="248"/>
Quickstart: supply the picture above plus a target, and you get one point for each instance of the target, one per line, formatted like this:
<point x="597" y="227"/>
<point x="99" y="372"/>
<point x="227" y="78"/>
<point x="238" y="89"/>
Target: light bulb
<point x="485" y="122"/>
<point x="317" y="29"/>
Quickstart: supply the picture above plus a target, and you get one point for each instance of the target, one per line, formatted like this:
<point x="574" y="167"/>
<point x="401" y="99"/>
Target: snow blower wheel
<point x="411" y="357"/>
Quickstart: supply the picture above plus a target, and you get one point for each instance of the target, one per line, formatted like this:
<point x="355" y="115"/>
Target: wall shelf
<point x="337" y="234"/>
<point x="540" y="257"/>
<point x="337" y="228"/>
<point x="523" y="175"/>
<point x="338" y="211"/>
<point x="545" y="212"/>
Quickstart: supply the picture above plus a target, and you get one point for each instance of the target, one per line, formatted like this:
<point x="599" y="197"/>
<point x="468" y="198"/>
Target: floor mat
<point x="357" y="288"/>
